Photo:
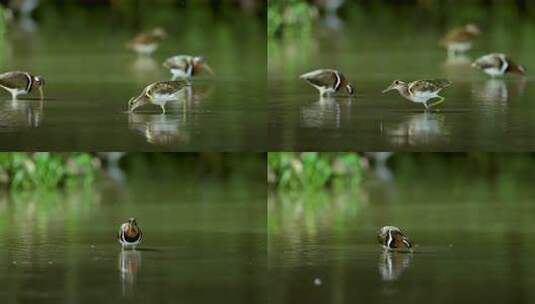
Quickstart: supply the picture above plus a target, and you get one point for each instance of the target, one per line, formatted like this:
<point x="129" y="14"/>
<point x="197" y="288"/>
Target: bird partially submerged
<point x="391" y="237"/>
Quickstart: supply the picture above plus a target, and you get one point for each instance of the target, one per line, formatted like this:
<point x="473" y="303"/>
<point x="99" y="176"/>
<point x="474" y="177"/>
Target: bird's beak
<point x="388" y="89"/>
<point x="41" y="93"/>
<point x="209" y="69"/>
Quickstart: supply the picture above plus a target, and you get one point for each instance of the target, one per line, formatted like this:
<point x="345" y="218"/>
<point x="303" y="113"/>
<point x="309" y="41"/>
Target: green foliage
<point x="312" y="170"/>
<point x="45" y="170"/>
<point x="289" y="15"/>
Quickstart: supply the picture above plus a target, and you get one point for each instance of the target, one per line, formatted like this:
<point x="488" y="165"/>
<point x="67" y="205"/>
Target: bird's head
<point x="396" y="85"/>
<point x="136" y="102"/>
<point x="199" y="63"/>
<point x="39" y="83"/>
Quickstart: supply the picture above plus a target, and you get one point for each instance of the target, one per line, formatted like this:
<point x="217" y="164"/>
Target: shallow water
<point x="474" y="236"/>
<point x="373" y="49"/>
<point x="90" y="77"/>
<point x="202" y="239"/>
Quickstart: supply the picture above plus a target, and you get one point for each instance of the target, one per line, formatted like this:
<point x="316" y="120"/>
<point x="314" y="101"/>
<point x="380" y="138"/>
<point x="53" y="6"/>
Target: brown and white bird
<point x="159" y="93"/>
<point x="327" y="81"/>
<point x="130" y="234"/>
<point x="391" y="237"/>
<point x="147" y="43"/>
<point x="420" y="91"/>
<point x="186" y="66"/>
<point x="460" y="39"/>
<point x="18" y="82"/>
<point x="497" y="64"/>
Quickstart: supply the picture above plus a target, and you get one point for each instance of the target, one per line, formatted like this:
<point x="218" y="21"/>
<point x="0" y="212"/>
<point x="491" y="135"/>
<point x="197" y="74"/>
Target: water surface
<point x="204" y="237"/>
<point x="90" y="77"/>
<point x="474" y="238"/>
<point x="375" y="47"/>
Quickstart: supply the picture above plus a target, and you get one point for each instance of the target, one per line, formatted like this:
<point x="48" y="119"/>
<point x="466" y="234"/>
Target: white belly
<point x="146" y="49"/>
<point x="422" y="97"/>
<point x="180" y="74"/>
<point x="460" y="46"/>
<point x="160" y="99"/>
<point x="493" y="72"/>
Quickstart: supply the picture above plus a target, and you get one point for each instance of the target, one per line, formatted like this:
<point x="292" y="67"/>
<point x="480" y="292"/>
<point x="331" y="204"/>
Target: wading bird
<point x="18" y="83"/>
<point x="147" y="43"/>
<point x="420" y="91"/>
<point x="327" y="81"/>
<point x="130" y="234"/>
<point x="391" y="237"/>
<point x="158" y="93"/>
<point x="497" y="64"/>
<point x="186" y="66"/>
<point x="459" y="40"/>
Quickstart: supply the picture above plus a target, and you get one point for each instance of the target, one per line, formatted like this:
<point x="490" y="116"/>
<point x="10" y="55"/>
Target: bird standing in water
<point x="158" y="93"/>
<point x="18" y="83"/>
<point x="147" y="43"/>
<point x="130" y="234"/>
<point x="327" y="81"/>
<point x="459" y="40"/>
<point x="186" y="66"/>
<point x="420" y="91"/>
<point x="497" y="64"/>
<point x="391" y="237"/>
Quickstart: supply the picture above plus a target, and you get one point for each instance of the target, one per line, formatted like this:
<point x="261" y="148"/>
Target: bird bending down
<point x="130" y="234"/>
<point x="327" y="81"/>
<point x="186" y="66"/>
<point x="459" y="40"/>
<point x="497" y="64"/>
<point x="420" y="91"/>
<point x="158" y="93"/>
<point x="391" y="238"/>
<point x="18" y="83"/>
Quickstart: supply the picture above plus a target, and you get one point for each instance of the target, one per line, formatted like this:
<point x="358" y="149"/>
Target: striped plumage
<point x="391" y="237"/>
<point x="18" y="82"/>
<point x="147" y="43"/>
<point x="130" y="234"/>
<point x="327" y="81"/>
<point x="497" y="64"/>
<point x="420" y="91"/>
<point x="159" y="93"/>
<point x="460" y="39"/>
<point x="186" y="66"/>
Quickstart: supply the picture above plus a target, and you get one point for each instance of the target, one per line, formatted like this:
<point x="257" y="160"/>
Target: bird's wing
<point x="320" y="78"/>
<point x="423" y="86"/>
<point x="457" y="35"/>
<point x="177" y="62"/>
<point x="143" y="38"/>
<point x="15" y="80"/>
<point x="490" y="61"/>
<point x="166" y="87"/>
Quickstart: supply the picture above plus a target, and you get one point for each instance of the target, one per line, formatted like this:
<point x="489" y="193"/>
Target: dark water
<point x="204" y="237"/>
<point x="90" y="77"/>
<point x="374" y="48"/>
<point x="474" y="239"/>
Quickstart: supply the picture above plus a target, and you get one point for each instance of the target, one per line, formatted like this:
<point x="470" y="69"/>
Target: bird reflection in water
<point x="21" y="114"/>
<point x="492" y="90"/>
<point x="418" y="128"/>
<point x="393" y="264"/>
<point x="159" y="129"/>
<point x="129" y="266"/>
<point x="458" y="63"/>
<point x="145" y="69"/>
<point x="326" y="112"/>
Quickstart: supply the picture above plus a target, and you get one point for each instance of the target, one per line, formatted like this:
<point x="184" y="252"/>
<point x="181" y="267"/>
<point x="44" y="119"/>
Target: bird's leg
<point x="438" y="102"/>
<point x="426" y="106"/>
<point x="163" y="108"/>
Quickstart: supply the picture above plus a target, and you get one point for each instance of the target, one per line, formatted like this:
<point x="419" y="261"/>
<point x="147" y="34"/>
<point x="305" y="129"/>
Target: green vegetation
<point x="292" y="16"/>
<point x="312" y="170"/>
<point x="46" y="170"/>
